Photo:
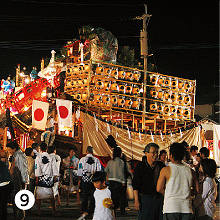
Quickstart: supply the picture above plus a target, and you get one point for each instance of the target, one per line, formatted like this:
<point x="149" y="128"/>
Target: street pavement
<point x="73" y="212"/>
<point x="67" y="212"/>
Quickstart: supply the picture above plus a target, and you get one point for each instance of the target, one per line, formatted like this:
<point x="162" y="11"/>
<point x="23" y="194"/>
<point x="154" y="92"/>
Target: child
<point x="205" y="200"/>
<point x="100" y="202"/>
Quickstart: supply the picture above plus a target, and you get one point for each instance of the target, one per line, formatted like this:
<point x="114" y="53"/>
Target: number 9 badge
<point x="24" y="199"/>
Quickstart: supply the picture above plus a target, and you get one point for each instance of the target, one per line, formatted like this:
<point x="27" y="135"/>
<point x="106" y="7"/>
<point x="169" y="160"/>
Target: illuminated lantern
<point x="174" y="84"/>
<point x="84" y="97"/>
<point x="79" y="83"/>
<point x="86" y="68"/>
<point x="107" y="72"/>
<point x="68" y="83"/>
<point x="121" y="101"/>
<point x="173" y="111"/>
<point x="181" y="85"/>
<point x="167" y="82"/>
<point x="78" y="96"/>
<point x="114" y="100"/>
<point x="99" y="84"/>
<point x="122" y="88"/>
<point x="128" y="89"/>
<point x="129" y="76"/>
<point x="128" y="102"/>
<point x="69" y="72"/>
<point x="153" y="79"/>
<point x="167" y="96"/>
<point x="106" y="100"/>
<point x="187" y="100"/>
<point x="179" y="111"/>
<point x="160" y="80"/>
<point x="166" y="110"/>
<point x="99" y="70"/>
<point x="153" y="93"/>
<point x="75" y="70"/>
<point x="136" y="90"/>
<point x="74" y="83"/>
<point x="186" y="113"/>
<point x="98" y="98"/>
<point x="107" y="85"/>
<point x="137" y="76"/>
<point x="180" y="98"/>
<point x="121" y="74"/>
<point x="160" y="108"/>
<point x="114" y="73"/>
<point x="160" y="94"/>
<point x="173" y="97"/>
<point x="136" y="104"/>
<point x="85" y="82"/>
<point x="153" y="107"/>
<point x="188" y="87"/>
<point x="114" y="86"/>
<point x="81" y="69"/>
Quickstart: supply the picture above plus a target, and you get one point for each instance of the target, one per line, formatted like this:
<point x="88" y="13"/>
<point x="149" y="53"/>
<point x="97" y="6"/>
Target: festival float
<point x="134" y="105"/>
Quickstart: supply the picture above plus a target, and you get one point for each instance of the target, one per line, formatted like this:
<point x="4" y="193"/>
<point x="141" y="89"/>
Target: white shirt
<point x="205" y="200"/>
<point x="87" y="166"/>
<point x="100" y="212"/>
<point x="177" y="197"/>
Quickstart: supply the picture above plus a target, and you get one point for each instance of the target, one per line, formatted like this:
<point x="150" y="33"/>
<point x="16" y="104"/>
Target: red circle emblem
<point x="63" y="112"/>
<point x="219" y="144"/>
<point x="38" y="114"/>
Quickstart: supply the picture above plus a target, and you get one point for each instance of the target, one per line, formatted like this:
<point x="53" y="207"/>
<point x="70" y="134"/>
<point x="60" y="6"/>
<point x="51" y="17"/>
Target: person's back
<point x="177" y="193"/>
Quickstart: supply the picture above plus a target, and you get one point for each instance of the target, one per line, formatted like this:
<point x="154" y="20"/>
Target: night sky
<point x="183" y="35"/>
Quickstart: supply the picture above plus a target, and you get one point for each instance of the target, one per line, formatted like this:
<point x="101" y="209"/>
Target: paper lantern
<point x="75" y="70"/>
<point x="99" y="70"/>
<point x="84" y="97"/>
<point x="136" y="90"/>
<point x="79" y="83"/>
<point x="114" y="73"/>
<point x="128" y="102"/>
<point x="121" y="74"/>
<point x="85" y="82"/>
<point x="129" y="75"/>
<point x="188" y="87"/>
<point x="114" y="100"/>
<point x="167" y="82"/>
<point x="99" y="84"/>
<point x="137" y="76"/>
<point x="166" y="110"/>
<point x="135" y="104"/>
<point x="173" y="97"/>
<point x="160" y="81"/>
<point x="98" y="98"/>
<point x="179" y="111"/>
<point x="128" y="89"/>
<point x="107" y="85"/>
<point x="181" y="85"/>
<point x="106" y="100"/>
<point x="167" y="96"/>
<point x="153" y="79"/>
<point x="160" y="94"/>
<point x="187" y="113"/>
<point x="121" y="101"/>
<point x="187" y="100"/>
<point x="86" y="68"/>
<point x="114" y="86"/>
<point x="121" y="88"/>
<point x="153" y="107"/>
<point x="174" y="84"/>
<point x="74" y="83"/>
<point x="78" y="96"/>
<point x="160" y="108"/>
<point x="180" y="98"/>
<point x="153" y="93"/>
<point x="107" y="72"/>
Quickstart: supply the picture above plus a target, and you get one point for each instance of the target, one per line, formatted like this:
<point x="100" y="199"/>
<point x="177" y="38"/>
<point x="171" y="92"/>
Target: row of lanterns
<point x="175" y="111"/>
<point x="170" y="97"/>
<point x="171" y="83"/>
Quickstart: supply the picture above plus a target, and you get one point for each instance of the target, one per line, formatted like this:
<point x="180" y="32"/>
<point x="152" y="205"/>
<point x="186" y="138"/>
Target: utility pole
<point x="144" y="53"/>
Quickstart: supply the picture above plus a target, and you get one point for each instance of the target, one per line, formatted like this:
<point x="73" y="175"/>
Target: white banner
<point x="216" y="143"/>
<point x="64" y="110"/>
<point x="39" y="114"/>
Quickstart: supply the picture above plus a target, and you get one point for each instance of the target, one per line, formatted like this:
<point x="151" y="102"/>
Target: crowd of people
<point x="181" y="187"/>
